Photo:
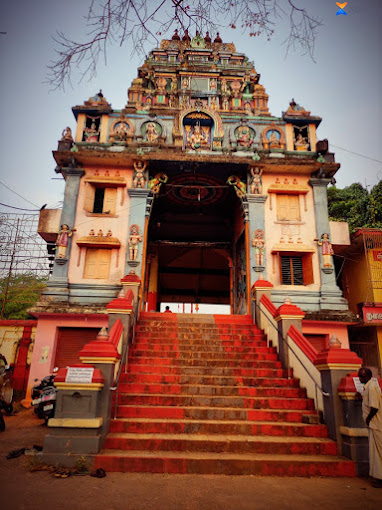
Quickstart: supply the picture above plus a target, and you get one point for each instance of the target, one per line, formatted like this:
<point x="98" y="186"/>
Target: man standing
<point x="372" y="415"/>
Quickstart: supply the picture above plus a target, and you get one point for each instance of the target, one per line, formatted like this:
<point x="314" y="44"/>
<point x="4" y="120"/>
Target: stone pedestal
<point x="334" y="364"/>
<point x="354" y="434"/>
<point x="76" y="429"/>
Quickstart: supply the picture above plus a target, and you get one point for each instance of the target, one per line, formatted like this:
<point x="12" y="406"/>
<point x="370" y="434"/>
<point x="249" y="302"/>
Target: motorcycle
<point x="6" y="390"/>
<point x="44" y="397"/>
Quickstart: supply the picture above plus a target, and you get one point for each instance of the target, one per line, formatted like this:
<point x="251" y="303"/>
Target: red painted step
<point x="206" y="394"/>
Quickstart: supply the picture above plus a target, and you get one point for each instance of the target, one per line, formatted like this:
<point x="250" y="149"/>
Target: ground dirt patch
<point x="25" y="490"/>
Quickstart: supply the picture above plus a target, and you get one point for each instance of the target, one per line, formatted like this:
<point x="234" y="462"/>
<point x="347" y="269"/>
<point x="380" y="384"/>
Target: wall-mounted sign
<point x="372" y="314"/>
<point x="79" y="375"/>
<point x="377" y="255"/>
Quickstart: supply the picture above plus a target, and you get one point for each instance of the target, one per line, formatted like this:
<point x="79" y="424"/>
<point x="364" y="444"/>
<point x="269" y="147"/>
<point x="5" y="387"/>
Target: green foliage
<point x="356" y="205"/>
<point x="23" y="291"/>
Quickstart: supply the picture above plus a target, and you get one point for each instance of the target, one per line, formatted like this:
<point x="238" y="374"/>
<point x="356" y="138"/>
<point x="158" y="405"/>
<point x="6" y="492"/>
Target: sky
<point x="343" y="86"/>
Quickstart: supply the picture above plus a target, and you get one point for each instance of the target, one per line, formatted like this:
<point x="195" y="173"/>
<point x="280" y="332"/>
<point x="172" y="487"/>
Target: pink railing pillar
<point x="287" y="315"/>
<point x="335" y="363"/>
<point x="259" y="288"/>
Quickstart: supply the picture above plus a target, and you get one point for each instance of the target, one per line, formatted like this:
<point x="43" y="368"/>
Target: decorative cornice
<point x="139" y="192"/>
<point x="76" y="423"/>
<point x="256" y="199"/>
<point x="288" y="311"/>
<point x="337" y="359"/>
<point x="99" y="360"/>
<point x="78" y="386"/>
<point x="319" y="182"/>
<point x="262" y="284"/>
<point x="99" y="242"/>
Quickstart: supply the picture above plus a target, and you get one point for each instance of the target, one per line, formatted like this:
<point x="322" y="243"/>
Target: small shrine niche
<point x="273" y="137"/>
<point x="151" y="131"/>
<point x="92" y="129"/>
<point x="121" y="131"/>
<point x="301" y="138"/>
<point x="244" y="136"/>
<point x="197" y="131"/>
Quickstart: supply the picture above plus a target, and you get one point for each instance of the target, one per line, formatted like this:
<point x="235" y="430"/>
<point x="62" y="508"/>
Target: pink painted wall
<point x="44" y="351"/>
<point x="118" y="224"/>
<point x="305" y="230"/>
<point x="327" y="328"/>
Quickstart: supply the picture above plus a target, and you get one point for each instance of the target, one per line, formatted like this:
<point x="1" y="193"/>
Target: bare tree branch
<point x="144" y="22"/>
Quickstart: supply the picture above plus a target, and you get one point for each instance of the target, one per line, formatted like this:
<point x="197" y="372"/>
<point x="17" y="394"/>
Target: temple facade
<point x="196" y="190"/>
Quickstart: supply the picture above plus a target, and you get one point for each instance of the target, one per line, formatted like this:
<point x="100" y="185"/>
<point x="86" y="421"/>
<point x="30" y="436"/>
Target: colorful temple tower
<point x="195" y="189"/>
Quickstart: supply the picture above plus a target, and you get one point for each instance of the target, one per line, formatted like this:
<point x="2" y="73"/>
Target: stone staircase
<point x="204" y="394"/>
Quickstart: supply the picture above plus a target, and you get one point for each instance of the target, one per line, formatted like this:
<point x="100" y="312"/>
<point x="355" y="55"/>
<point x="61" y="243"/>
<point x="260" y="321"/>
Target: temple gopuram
<point x="192" y="193"/>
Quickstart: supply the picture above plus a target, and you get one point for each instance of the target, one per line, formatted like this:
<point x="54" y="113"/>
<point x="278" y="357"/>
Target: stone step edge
<point x="182" y="395"/>
<point x="221" y="437"/>
<point x="219" y="421"/>
<point x="214" y="408"/>
<point x="225" y="456"/>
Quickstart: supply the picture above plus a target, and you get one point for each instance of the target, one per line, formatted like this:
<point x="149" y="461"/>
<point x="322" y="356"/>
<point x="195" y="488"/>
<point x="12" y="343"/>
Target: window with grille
<point x="291" y="270"/>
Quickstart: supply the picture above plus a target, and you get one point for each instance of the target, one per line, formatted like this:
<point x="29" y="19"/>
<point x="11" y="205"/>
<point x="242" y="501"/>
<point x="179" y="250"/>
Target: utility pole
<point x="10" y="270"/>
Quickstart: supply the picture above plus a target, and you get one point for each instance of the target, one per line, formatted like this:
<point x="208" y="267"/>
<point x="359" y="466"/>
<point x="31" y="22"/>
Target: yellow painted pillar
<point x="81" y="123"/>
<point x="289" y="137"/>
<point x="312" y="137"/>
<point x="104" y="129"/>
<point x="379" y="340"/>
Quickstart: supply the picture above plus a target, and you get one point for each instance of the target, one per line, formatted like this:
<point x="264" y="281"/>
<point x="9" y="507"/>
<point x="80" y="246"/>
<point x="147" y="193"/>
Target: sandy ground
<point x="22" y="489"/>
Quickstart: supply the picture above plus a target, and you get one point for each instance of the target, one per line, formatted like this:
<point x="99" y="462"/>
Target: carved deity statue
<point x="326" y="250"/>
<point x="239" y="186"/>
<point x="225" y="104"/>
<point x="174" y="85"/>
<point x="151" y="132"/>
<point x="63" y="240"/>
<point x="67" y="135"/>
<point x="134" y="239"/>
<point x="243" y="136"/>
<point x="259" y="244"/>
<point x="256" y="187"/>
<point x="161" y="83"/>
<point x="156" y="182"/>
<point x="121" y="131"/>
<point x="301" y="143"/>
<point x="91" y="134"/>
<point x="196" y="138"/>
<point x="185" y="83"/>
<point x="274" y="140"/>
<point x="139" y="180"/>
<point x="214" y="104"/>
<point x="247" y="108"/>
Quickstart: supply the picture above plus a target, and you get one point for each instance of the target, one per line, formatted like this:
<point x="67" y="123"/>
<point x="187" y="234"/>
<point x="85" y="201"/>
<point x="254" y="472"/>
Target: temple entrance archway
<point x="196" y="250"/>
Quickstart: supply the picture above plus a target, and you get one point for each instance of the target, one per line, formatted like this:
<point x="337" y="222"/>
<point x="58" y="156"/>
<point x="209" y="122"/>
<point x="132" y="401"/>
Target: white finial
<point x="334" y="342"/>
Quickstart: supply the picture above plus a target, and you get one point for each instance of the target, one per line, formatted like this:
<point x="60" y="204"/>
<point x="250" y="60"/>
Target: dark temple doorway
<point x="195" y="249"/>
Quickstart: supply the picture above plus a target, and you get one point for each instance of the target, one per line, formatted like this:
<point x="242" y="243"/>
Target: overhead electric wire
<point x="10" y="189"/>
<point x="356" y="153"/>
<point x="19" y="208"/>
